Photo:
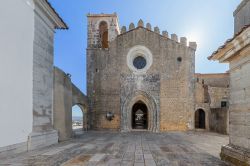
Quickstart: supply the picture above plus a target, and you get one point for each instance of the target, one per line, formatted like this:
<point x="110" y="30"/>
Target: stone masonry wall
<point x="210" y="91"/>
<point x="217" y="95"/>
<point x="169" y="82"/>
<point x="241" y="16"/>
<point x="93" y="28"/>
<point x="214" y="80"/>
<point x="218" y="120"/>
<point x="43" y="133"/>
<point x="66" y="95"/>
<point x="62" y="105"/>
<point x="42" y="76"/>
<point x="239" y="101"/>
<point x="199" y="93"/>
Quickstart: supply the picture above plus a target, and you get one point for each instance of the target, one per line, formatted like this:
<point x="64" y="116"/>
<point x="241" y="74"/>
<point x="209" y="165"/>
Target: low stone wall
<point x="235" y="155"/>
<point x="66" y="95"/>
<point x="218" y="120"/>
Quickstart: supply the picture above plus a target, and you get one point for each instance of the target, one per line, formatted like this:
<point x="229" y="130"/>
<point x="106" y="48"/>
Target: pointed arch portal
<point x="139" y="111"/>
<point x="139" y="118"/>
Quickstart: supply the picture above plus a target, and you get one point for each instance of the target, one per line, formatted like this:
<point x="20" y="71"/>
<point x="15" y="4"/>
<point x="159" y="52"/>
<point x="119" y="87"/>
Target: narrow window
<point x="179" y="59"/>
<point x="103" y="31"/>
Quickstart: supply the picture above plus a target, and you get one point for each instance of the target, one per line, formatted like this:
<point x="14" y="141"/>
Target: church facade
<point x="138" y="78"/>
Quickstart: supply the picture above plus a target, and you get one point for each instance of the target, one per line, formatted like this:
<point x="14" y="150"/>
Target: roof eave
<point x="54" y="16"/>
<point x="219" y="54"/>
<point x="232" y="46"/>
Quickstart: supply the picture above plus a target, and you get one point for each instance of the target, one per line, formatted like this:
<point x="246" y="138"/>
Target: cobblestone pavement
<point x="128" y="149"/>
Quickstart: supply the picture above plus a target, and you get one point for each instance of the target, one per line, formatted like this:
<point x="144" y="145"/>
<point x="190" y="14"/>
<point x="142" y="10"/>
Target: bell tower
<point x="102" y="29"/>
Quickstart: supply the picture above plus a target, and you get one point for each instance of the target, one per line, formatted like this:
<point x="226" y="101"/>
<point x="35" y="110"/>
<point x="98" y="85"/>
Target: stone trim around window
<point x="135" y="52"/>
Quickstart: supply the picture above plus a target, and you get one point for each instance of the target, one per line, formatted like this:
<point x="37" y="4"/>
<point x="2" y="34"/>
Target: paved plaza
<point x="128" y="149"/>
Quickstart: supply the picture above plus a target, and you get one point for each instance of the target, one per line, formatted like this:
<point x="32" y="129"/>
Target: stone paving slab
<point x="128" y="149"/>
<point x="97" y="157"/>
<point x="59" y="149"/>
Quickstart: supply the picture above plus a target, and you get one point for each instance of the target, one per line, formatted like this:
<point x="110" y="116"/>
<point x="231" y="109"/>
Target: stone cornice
<point x="242" y="4"/>
<point x="45" y="6"/>
<point x="102" y="15"/>
<point x="230" y="49"/>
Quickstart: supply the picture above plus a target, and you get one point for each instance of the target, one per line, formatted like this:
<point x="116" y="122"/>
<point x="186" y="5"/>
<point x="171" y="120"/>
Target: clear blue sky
<point x="209" y="23"/>
<point x="76" y="111"/>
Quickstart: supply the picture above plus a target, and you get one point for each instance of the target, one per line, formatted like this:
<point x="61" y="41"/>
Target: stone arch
<point x="85" y="115"/>
<point x="103" y="32"/>
<point x="102" y="20"/>
<point x="153" y="112"/>
<point x="66" y="95"/>
<point x="84" y="108"/>
<point x="200" y="119"/>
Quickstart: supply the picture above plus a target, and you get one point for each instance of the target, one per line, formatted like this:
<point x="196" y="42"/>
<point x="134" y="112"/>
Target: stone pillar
<point x="238" y="150"/>
<point x="43" y="133"/>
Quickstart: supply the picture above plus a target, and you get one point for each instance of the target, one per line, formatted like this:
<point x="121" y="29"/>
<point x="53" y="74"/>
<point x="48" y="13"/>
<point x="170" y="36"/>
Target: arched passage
<point x="139" y="118"/>
<point x="66" y="96"/>
<point x="77" y="119"/>
<point x="200" y="119"/>
<point x="103" y="31"/>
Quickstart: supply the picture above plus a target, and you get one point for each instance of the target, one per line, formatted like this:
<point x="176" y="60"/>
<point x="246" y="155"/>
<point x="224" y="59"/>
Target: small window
<point x="223" y="104"/>
<point x="179" y="59"/>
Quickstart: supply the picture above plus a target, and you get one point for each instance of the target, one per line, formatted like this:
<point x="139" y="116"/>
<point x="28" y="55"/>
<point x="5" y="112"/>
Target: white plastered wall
<point x="16" y="52"/>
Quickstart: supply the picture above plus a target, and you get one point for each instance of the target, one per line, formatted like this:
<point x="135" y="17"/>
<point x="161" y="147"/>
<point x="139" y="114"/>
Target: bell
<point x="110" y="116"/>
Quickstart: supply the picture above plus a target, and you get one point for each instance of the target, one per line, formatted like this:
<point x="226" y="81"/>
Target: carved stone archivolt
<point x="153" y="111"/>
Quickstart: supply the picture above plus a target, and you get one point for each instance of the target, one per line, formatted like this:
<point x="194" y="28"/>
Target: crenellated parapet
<point x="148" y="26"/>
<point x="165" y="34"/>
<point x="193" y="45"/>
<point x="131" y="26"/>
<point x="183" y="41"/>
<point x="123" y="29"/>
<point x="140" y="23"/>
<point x="174" y="37"/>
<point x="157" y="30"/>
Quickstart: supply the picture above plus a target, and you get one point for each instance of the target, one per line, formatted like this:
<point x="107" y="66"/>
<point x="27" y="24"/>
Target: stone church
<point x="140" y="77"/>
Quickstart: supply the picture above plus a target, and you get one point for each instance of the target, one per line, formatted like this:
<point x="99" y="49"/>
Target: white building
<point x="26" y="69"/>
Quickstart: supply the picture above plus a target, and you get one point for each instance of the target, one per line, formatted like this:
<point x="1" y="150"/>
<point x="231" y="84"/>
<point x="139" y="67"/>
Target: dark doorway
<point x="139" y="116"/>
<point x="200" y="119"/>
